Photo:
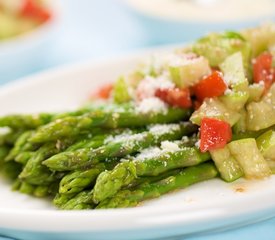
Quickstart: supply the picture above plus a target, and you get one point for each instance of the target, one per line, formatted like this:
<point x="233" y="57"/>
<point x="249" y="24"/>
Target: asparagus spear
<point x="16" y="184"/>
<point x="25" y="121"/>
<point x="36" y="173"/>
<point x="26" y="188"/>
<point x="119" y="146"/>
<point x="187" y="177"/>
<point x="41" y="191"/>
<point x="32" y="121"/>
<point x="20" y="145"/>
<point x="11" y="169"/>
<point x="9" y="137"/>
<point x="152" y="162"/>
<point x="24" y="157"/>
<point x="82" y="200"/>
<point x="76" y="181"/>
<point x="61" y="199"/>
<point x="4" y="151"/>
<point x="114" y="118"/>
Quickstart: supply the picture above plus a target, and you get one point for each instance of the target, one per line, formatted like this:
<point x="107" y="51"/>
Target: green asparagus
<point x="119" y="146"/>
<point x="36" y="173"/>
<point x="76" y="181"/>
<point x="19" y="145"/>
<point x="85" y="198"/>
<point x="82" y="200"/>
<point x="151" y="162"/>
<point x="122" y="117"/>
<point x="187" y="177"/>
<point x="24" y="121"/>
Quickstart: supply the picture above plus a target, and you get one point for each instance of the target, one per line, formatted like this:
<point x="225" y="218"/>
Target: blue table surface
<point x="91" y="29"/>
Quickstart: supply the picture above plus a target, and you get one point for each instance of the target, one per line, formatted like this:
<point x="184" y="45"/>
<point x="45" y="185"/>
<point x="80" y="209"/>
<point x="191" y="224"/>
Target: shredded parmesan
<point x="151" y="105"/>
<point x="149" y="153"/>
<point x="120" y="137"/>
<point x="148" y="86"/>
<point x="169" y="146"/>
<point x="156" y="152"/>
<point x="159" y="129"/>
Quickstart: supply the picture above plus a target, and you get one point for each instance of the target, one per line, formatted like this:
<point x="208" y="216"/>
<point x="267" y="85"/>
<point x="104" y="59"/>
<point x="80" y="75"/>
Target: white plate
<point x="202" y="207"/>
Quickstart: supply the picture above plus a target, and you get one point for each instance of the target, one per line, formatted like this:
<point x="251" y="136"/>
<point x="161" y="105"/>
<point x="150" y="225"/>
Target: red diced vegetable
<point x="103" y="93"/>
<point x="210" y="86"/>
<point x="214" y="134"/>
<point x="175" y="97"/>
<point x="262" y="70"/>
<point x="33" y="10"/>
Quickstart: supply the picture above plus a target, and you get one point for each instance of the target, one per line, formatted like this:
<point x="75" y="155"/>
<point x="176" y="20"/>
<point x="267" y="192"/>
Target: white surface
<point x="194" y="209"/>
<point x="205" y="10"/>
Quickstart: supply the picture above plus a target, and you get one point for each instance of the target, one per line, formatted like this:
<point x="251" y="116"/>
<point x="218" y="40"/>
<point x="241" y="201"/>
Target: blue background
<point x="90" y="29"/>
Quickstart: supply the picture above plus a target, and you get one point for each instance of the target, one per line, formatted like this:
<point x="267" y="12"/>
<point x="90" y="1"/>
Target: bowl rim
<point x="179" y="20"/>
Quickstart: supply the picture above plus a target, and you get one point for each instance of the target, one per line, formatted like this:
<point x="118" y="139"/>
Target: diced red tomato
<point x="34" y="10"/>
<point x="175" y="97"/>
<point x="103" y="93"/>
<point x="210" y="86"/>
<point x="214" y="134"/>
<point x="262" y="70"/>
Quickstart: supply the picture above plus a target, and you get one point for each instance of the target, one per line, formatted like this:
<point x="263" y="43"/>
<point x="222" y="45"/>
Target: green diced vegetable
<point x="271" y="165"/>
<point x="261" y="115"/>
<point x="120" y="92"/>
<point x="240" y="126"/>
<point x="255" y="91"/>
<point x="214" y="108"/>
<point x="234" y="72"/>
<point x="266" y="144"/>
<point x="227" y="165"/>
<point x="189" y="71"/>
<point x="250" y="158"/>
<point x="234" y="100"/>
<point x="260" y="38"/>
<point x="217" y="47"/>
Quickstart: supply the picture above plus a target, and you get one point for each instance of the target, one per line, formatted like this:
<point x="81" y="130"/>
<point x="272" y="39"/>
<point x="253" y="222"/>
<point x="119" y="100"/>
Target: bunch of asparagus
<point x="102" y="156"/>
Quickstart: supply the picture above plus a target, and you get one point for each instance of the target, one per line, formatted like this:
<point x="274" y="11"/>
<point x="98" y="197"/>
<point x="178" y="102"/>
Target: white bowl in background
<point x="173" y="21"/>
<point x="27" y="52"/>
<point x="203" y="207"/>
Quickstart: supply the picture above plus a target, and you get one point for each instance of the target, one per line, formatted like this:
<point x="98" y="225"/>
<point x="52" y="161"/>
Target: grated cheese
<point x="151" y="105"/>
<point x="156" y="152"/>
<point x="148" y="86"/>
<point x="160" y="129"/>
<point x="149" y="153"/>
<point x="169" y="146"/>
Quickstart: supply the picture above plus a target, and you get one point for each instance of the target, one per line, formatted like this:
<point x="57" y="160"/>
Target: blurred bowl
<point x="162" y="26"/>
<point x="27" y="52"/>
